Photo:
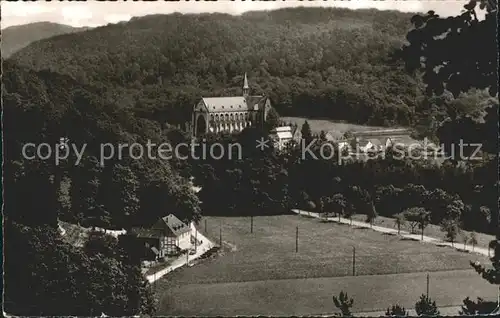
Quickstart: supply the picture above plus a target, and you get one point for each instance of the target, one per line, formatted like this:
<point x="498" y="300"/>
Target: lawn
<point x="336" y="128"/>
<point x="259" y="273"/>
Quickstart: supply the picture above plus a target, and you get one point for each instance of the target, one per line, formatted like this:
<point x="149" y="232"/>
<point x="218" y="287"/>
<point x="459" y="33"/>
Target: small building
<point x="343" y="144"/>
<point x="176" y="234"/>
<point x="404" y="142"/>
<point x="281" y="136"/>
<point x="168" y="236"/>
<point x="364" y="145"/>
<point x="376" y="144"/>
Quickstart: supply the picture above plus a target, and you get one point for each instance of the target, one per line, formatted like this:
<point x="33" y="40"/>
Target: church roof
<point x="225" y="104"/>
<point x="233" y="103"/>
<point x="245" y="82"/>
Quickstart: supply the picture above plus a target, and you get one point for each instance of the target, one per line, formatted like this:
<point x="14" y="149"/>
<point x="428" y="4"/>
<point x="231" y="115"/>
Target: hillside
<point x="315" y="62"/>
<point x="16" y="37"/>
<point x="42" y="107"/>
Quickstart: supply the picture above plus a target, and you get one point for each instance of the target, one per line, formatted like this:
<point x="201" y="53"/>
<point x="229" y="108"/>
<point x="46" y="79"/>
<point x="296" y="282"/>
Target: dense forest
<point x="50" y="276"/>
<point x="330" y="63"/>
<point x="124" y="83"/>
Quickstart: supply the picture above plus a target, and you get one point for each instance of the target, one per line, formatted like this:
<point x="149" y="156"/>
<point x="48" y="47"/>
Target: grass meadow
<point x="335" y="128"/>
<point x="260" y="273"/>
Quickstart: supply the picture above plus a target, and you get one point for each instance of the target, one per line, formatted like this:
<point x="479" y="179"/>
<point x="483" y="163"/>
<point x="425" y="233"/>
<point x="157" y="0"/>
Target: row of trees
<point x="425" y="306"/>
<point x="462" y="194"/>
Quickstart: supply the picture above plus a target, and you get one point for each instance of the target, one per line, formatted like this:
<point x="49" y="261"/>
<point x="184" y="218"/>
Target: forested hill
<point x="311" y="61"/>
<point x="42" y="107"/>
<point x="17" y="37"/>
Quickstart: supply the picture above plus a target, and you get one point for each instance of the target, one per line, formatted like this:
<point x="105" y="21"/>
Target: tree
<point x="306" y="132"/>
<point x="481" y="307"/>
<point x="417" y="216"/>
<point x="399" y="220"/>
<point x="272" y="119"/>
<point x="426" y="306"/>
<point x="473" y="240"/>
<point x="451" y="229"/>
<point x="371" y="213"/>
<point x="304" y="198"/>
<point x="339" y="204"/>
<point x="322" y="135"/>
<point x="344" y="304"/>
<point x="465" y="239"/>
<point x="454" y="210"/>
<point x="324" y="205"/>
<point x="396" y="310"/>
<point x="491" y="274"/>
<point x="433" y="44"/>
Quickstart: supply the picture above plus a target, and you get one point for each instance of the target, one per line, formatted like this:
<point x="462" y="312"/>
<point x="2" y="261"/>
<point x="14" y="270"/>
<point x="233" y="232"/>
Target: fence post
<point x="353" y="261"/>
<point x="297" y="239"/>
<point x="427" y="290"/>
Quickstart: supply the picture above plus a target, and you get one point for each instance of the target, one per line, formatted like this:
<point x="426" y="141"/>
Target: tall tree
<point x="426" y="306"/>
<point x="435" y="41"/>
<point x="306" y="132"/>
<point x="344" y="304"/>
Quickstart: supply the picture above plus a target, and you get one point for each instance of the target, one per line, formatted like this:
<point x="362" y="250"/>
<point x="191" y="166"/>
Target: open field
<point x="335" y="128"/>
<point x="259" y="273"/>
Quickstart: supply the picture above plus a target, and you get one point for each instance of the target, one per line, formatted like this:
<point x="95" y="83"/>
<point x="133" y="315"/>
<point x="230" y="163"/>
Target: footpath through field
<point x="201" y="249"/>
<point x="405" y="234"/>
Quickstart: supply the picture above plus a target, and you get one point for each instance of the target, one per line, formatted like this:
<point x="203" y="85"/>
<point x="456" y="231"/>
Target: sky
<point x="95" y="13"/>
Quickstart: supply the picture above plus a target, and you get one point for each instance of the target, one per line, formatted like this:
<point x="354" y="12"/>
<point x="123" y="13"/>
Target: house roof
<point x="175" y="225"/>
<point x="284" y="135"/>
<point x="283" y="128"/>
<point x="375" y="142"/>
<point x="404" y="140"/>
<point x="233" y="103"/>
<point x="330" y="137"/>
<point x="363" y="142"/>
<point x="283" y="132"/>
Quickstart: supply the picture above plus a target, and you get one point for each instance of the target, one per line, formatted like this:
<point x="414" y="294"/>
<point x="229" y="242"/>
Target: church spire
<point x="246" y="88"/>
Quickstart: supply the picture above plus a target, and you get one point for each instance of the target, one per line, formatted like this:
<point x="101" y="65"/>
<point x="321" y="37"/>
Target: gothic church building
<point x="215" y="115"/>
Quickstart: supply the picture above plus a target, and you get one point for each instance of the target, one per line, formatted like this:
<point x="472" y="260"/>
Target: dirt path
<point x="405" y="234"/>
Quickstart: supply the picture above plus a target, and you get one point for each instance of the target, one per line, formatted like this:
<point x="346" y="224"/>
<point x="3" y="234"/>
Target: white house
<point x="177" y="234"/>
<point x="281" y="136"/>
<point x="168" y="236"/>
<point x="364" y="145"/>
